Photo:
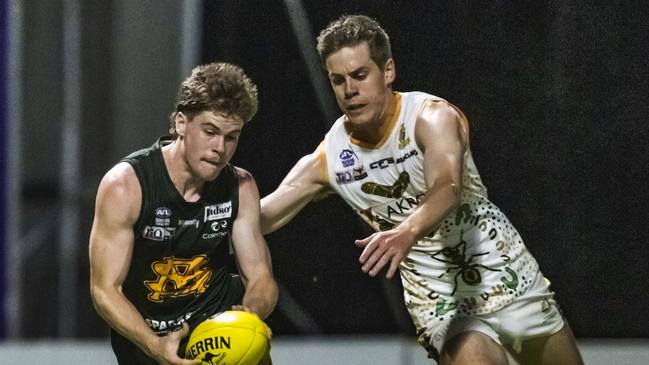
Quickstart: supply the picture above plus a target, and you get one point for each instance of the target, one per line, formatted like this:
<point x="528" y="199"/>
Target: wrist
<point x="409" y="230"/>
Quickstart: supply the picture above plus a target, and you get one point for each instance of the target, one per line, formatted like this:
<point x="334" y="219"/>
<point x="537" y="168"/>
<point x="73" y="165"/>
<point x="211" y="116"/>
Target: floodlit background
<point x="556" y="93"/>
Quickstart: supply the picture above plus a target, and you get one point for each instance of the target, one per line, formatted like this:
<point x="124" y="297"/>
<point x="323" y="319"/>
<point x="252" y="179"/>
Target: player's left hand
<point x="382" y="247"/>
<point x="244" y="308"/>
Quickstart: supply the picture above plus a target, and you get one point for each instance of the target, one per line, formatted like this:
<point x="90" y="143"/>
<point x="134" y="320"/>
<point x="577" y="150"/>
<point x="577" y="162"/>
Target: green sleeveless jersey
<point x="182" y="255"/>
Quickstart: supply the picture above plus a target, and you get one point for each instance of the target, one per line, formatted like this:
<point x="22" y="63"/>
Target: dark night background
<point x="557" y="100"/>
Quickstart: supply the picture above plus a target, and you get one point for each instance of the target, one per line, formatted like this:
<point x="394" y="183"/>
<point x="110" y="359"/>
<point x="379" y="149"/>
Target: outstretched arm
<point x="111" y="247"/>
<point x="251" y="251"/>
<point x="306" y="181"/>
<point x="441" y="132"/>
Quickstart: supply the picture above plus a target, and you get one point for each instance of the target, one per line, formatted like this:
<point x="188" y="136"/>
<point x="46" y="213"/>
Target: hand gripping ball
<point x="230" y="338"/>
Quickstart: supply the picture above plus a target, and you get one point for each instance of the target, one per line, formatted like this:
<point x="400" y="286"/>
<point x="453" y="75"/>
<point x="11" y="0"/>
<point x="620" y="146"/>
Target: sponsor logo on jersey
<point x="219" y="229"/>
<point x="188" y="222"/>
<point x="218" y="211"/>
<point x="157" y="233"/>
<point x="403" y="206"/>
<point x="176" y="277"/>
<point x="350" y="175"/>
<point x="385" y="162"/>
<point x="162" y="216"/>
<point x="164" y="327"/>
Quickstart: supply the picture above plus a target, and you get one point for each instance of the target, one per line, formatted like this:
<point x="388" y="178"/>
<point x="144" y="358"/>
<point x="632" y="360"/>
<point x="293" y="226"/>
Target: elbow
<point x="265" y="219"/>
<point x="454" y="194"/>
<point x="100" y="296"/>
<point x="267" y="227"/>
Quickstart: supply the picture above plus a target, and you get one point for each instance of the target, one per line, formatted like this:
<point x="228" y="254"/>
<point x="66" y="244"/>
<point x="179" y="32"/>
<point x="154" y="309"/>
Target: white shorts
<point x="533" y="314"/>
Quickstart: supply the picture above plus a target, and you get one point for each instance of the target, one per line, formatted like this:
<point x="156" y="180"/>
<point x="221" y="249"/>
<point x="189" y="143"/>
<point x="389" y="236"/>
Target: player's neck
<point x="373" y="132"/>
<point x="187" y="184"/>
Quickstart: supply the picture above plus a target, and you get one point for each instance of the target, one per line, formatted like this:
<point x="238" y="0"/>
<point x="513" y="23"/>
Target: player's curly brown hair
<point x="352" y="30"/>
<point x="220" y="87"/>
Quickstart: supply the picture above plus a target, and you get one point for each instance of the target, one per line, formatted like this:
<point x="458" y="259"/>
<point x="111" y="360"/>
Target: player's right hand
<point x="165" y="349"/>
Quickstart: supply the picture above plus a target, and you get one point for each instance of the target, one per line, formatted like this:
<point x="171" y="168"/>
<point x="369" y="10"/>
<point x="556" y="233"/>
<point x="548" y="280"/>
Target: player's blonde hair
<point x="352" y="30"/>
<point x="220" y="87"/>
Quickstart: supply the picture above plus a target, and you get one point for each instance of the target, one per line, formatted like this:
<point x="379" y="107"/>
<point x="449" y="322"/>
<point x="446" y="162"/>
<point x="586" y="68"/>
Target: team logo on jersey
<point x="178" y="278"/>
<point x="388" y="191"/>
<point x="218" y="211"/>
<point x="346" y="157"/>
<point x="157" y="233"/>
<point x="162" y="216"/>
<point x="403" y="139"/>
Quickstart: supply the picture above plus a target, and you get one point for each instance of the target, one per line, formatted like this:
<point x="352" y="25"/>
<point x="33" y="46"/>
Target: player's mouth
<point x="355" y="107"/>
<point x="213" y="163"/>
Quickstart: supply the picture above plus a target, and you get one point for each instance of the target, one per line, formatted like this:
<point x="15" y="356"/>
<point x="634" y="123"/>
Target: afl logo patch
<point x="163" y="212"/>
<point x="162" y="216"/>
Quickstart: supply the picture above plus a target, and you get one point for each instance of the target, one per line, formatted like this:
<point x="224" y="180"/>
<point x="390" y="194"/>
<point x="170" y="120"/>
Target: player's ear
<point x="389" y="72"/>
<point x="181" y="121"/>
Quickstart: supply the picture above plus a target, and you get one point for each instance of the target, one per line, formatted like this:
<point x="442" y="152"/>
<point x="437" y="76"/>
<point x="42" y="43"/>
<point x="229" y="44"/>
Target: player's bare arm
<point x="252" y="252"/>
<point x="441" y="133"/>
<point x="306" y="181"/>
<point x="111" y="246"/>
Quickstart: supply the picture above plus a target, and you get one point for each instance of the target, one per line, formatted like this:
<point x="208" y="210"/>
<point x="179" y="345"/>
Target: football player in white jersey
<point x="402" y="161"/>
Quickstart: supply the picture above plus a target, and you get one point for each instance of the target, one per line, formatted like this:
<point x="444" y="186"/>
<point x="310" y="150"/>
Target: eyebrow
<point x="353" y="72"/>
<point x="212" y="125"/>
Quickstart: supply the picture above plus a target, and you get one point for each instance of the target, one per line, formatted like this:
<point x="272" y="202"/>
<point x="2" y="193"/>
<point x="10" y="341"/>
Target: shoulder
<point x="120" y="178"/>
<point x="245" y="181"/>
<point x="243" y="175"/>
<point x="438" y="111"/>
<point x="119" y="191"/>
<point x="439" y="117"/>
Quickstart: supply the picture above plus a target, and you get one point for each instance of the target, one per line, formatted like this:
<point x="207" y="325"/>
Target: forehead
<point x="349" y="58"/>
<point x="223" y="121"/>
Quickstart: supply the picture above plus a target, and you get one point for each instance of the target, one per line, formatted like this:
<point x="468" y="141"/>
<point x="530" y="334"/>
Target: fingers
<point x="191" y="362"/>
<point x="239" y="307"/>
<point x="379" y="251"/>
<point x="188" y="362"/>
<point x="363" y="242"/>
<point x="373" y="258"/>
<point x="378" y="266"/>
<point x="394" y="265"/>
<point x="369" y="248"/>
<point x="184" y="331"/>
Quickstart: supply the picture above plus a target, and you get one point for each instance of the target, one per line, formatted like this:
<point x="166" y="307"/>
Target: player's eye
<point x="337" y="80"/>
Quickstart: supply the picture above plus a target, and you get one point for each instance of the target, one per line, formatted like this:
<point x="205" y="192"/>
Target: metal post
<point x="192" y="23"/>
<point x="13" y="304"/>
<point x="70" y="178"/>
<point x="305" y="40"/>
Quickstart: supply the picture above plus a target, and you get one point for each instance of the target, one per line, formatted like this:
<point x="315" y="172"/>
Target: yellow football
<point x="230" y="338"/>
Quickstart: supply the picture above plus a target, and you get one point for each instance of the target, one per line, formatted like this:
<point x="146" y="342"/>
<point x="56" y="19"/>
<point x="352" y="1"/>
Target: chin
<point x="211" y="175"/>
